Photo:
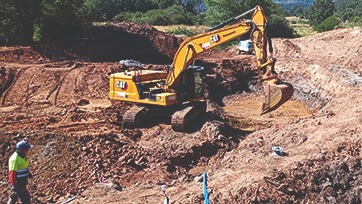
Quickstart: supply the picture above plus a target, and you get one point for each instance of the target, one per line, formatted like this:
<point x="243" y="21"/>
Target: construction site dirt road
<point x="57" y="99"/>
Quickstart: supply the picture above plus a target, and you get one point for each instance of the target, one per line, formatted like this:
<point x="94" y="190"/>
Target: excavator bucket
<point x="276" y="95"/>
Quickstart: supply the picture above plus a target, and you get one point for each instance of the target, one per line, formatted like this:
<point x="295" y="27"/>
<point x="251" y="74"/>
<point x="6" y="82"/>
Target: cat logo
<point x="215" y="38"/>
<point x="122" y="84"/>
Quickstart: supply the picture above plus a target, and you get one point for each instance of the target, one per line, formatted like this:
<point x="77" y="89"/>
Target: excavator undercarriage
<point x="192" y="103"/>
<point x="134" y="117"/>
<point x="181" y="116"/>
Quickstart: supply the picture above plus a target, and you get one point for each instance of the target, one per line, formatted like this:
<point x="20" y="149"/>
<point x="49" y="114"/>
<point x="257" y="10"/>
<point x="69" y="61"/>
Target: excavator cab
<point x="192" y="84"/>
<point x="191" y="94"/>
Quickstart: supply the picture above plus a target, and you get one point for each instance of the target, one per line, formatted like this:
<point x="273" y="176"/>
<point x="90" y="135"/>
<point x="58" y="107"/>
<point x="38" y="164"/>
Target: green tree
<point x="295" y="11"/>
<point x="53" y="19"/>
<point x="320" y="11"/>
<point x="189" y="5"/>
<point x="328" y="24"/>
<point x="17" y="20"/>
<point x="10" y="24"/>
<point x="356" y="21"/>
<point x="347" y="9"/>
<point x="221" y="10"/>
<point x="162" y="4"/>
<point x="61" y="19"/>
<point x="101" y="10"/>
<point x="279" y="27"/>
<point x="158" y="16"/>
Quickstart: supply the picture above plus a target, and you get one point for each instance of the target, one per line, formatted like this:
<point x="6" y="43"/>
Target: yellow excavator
<point x="179" y="91"/>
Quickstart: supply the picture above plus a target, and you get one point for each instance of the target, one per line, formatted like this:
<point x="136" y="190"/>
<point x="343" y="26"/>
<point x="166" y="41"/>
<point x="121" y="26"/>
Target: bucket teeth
<point x="276" y="95"/>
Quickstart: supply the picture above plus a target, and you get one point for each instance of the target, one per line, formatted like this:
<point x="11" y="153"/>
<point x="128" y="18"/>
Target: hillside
<point x="291" y="5"/>
<point x="302" y="3"/>
<point x="59" y="101"/>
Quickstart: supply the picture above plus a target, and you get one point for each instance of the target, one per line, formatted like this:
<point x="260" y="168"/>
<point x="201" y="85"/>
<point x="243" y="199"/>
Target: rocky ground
<point x="57" y="99"/>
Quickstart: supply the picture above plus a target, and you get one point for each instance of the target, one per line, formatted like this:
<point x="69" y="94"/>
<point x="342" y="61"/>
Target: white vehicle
<point x="245" y="46"/>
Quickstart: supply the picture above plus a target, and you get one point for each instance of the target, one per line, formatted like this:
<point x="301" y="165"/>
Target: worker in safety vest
<point x="19" y="174"/>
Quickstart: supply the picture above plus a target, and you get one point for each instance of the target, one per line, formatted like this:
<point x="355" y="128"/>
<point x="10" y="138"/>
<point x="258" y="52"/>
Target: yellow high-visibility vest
<point x="21" y="166"/>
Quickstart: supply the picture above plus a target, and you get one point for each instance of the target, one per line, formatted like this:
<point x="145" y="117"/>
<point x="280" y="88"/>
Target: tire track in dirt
<point x="58" y="86"/>
<point x="27" y="97"/>
<point x="18" y="74"/>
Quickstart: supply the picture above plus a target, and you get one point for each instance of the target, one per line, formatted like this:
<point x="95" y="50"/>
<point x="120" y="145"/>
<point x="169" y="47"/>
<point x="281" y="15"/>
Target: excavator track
<point x="134" y="117"/>
<point x="182" y="118"/>
<point x="276" y="96"/>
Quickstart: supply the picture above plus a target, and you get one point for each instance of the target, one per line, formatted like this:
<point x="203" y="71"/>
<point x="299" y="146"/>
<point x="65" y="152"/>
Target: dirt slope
<point x="61" y="105"/>
<point x="322" y="142"/>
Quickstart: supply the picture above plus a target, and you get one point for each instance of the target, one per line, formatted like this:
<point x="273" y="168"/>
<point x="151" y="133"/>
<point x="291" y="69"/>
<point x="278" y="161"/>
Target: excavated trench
<point x="219" y="139"/>
<point x="117" y="158"/>
<point x="329" y="177"/>
<point x="59" y="172"/>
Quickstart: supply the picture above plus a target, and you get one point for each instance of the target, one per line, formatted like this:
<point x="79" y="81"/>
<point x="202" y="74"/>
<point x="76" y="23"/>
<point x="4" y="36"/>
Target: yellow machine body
<point x="182" y="85"/>
<point x="125" y="86"/>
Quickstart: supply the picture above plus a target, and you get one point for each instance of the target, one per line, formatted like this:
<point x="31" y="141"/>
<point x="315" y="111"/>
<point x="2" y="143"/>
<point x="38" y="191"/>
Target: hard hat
<point x="23" y="145"/>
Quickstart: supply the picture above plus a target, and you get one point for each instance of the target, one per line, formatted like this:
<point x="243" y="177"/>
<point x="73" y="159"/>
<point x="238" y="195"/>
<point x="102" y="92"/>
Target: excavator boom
<point x="218" y="35"/>
<point x="276" y="92"/>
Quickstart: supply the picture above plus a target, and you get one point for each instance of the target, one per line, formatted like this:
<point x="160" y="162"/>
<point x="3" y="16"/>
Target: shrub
<point x="155" y="17"/>
<point x="356" y="20"/>
<point x="198" y="19"/>
<point x="328" y="24"/>
<point x="181" y="31"/>
<point x="171" y="16"/>
<point x="279" y="27"/>
<point x="128" y="16"/>
<point x="179" y="17"/>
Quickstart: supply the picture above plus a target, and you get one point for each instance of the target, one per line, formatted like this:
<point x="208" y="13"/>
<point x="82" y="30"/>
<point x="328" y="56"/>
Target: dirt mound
<point x="110" y="42"/>
<point x="332" y="177"/>
<point x="118" y="41"/>
<point x="20" y="55"/>
<point x="339" y="48"/>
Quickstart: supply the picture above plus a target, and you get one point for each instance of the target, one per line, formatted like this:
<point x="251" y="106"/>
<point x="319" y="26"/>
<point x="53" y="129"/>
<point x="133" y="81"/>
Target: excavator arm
<point x="276" y="92"/>
<point x="193" y="46"/>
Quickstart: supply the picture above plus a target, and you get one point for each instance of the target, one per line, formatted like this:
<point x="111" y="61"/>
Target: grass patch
<point x="301" y="26"/>
<point x="304" y="31"/>
<point x="181" y="31"/>
<point x="191" y="29"/>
